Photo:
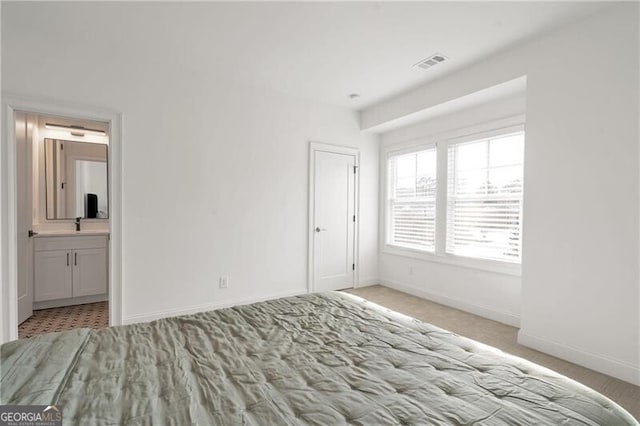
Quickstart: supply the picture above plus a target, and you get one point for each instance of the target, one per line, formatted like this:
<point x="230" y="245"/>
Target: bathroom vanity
<point x="70" y="268"/>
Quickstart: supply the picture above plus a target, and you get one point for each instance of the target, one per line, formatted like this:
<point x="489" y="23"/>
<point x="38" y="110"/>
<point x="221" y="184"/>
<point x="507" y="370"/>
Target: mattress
<point x="321" y="359"/>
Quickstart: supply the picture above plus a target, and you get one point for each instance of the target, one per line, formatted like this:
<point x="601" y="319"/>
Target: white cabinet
<point x="53" y="275"/>
<point x="89" y="272"/>
<point x="70" y="267"/>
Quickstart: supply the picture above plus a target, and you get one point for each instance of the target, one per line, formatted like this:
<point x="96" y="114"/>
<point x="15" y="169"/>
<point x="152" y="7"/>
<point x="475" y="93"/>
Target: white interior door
<point x="333" y="220"/>
<point x="24" y="150"/>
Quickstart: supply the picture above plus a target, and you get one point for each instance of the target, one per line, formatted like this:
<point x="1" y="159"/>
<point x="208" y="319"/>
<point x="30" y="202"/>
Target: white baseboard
<point x="204" y="307"/>
<point x="69" y="301"/>
<point x="367" y="282"/>
<point x="483" y="311"/>
<point x="603" y="364"/>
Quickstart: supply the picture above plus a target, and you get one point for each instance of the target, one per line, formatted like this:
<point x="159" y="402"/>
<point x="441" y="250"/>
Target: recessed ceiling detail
<point x="339" y="48"/>
<point x="432" y="60"/>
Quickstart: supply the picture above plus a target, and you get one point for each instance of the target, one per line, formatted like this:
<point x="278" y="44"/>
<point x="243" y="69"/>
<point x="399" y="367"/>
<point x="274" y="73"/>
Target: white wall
<point x="215" y="172"/>
<point x="580" y="249"/>
<point x="492" y="294"/>
<point x="580" y="269"/>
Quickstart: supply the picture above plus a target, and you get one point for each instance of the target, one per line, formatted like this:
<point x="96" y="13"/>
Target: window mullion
<point x="488" y="177"/>
<point x="391" y="188"/>
<point x="441" y="197"/>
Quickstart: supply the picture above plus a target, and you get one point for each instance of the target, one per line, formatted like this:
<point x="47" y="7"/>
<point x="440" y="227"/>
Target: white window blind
<point x="484" y="198"/>
<point x="412" y="200"/>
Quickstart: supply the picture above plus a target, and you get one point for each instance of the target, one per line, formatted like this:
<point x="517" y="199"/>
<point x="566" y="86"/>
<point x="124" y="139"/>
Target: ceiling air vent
<point x="431" y="61"/>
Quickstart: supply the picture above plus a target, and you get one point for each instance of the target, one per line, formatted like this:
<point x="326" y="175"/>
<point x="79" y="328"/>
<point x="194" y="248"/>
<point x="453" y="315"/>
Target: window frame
<point x="442" y="142"/>
<point x="387" y="200"/>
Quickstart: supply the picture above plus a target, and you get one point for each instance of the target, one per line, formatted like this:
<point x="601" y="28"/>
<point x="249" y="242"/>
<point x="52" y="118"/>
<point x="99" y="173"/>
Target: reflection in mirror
<point x="76" y="179"/>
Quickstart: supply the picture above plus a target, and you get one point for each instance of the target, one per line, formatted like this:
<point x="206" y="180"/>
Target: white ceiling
<point x="320" y="51"/>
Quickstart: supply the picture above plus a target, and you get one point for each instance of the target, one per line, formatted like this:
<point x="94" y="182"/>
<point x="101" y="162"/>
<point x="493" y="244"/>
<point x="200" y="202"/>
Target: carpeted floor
<point x="90" y="315"/>
<point x="500" y="336"/>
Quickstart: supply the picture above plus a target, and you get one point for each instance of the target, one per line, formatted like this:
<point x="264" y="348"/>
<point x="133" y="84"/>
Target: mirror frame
<point x="46" y="185"/>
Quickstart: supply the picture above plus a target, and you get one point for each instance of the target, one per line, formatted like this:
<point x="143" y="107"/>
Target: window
<point x="459" y="201"/>
<point x="484" y="198"/>
<point x="412" y="200"/>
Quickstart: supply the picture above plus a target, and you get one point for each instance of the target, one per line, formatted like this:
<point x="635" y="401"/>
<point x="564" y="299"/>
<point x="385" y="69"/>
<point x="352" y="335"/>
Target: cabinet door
<point x="89" y="272"/>
<point x="52" y="275"/>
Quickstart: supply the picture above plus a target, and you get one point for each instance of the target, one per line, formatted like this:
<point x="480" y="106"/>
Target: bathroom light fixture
<point x="75" y="130"/>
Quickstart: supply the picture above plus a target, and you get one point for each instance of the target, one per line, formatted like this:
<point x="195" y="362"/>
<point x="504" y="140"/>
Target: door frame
<point x="8" y="208"/>
<point x="334" y="149"/>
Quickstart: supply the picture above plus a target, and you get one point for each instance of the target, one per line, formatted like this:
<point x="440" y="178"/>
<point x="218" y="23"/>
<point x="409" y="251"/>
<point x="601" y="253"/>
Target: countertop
<point x="67" y="233"/>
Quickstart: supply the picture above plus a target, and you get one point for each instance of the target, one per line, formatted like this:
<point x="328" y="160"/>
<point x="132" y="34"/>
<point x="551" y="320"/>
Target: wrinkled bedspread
<point x="324" y="359"/>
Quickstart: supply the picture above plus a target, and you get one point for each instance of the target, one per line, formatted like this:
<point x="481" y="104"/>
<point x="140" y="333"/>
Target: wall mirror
<point x="76" y="180"/>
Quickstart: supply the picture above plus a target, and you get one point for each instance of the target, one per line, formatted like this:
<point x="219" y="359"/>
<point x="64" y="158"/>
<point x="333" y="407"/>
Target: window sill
<point x="497" y="266"/>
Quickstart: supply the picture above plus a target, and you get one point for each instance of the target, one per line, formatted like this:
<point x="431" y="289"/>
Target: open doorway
<point x="61" y="252"/>
<point x="62" y="223"/>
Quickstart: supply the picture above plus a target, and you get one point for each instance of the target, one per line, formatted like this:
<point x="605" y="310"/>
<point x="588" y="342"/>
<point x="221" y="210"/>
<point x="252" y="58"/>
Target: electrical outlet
<point x="224" y="281"/>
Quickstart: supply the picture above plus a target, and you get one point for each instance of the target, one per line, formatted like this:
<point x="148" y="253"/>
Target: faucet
<point x="77" y="222"/>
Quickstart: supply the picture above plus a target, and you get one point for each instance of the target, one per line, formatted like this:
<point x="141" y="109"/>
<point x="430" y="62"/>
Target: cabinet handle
<point x="75" y="259"/>
<point x="67" y="259"/>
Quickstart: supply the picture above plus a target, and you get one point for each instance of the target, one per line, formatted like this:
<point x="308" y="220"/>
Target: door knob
<point x="318" y="229"/>
<point x="31" y="233"/>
